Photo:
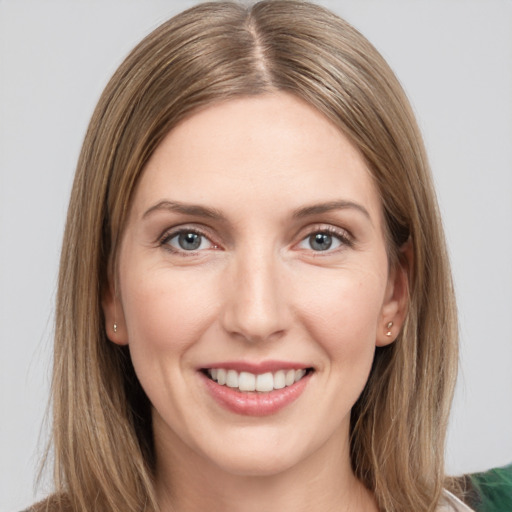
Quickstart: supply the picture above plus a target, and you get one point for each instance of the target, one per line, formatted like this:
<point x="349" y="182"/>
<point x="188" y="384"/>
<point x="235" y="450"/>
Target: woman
<point x="255" y="307"/>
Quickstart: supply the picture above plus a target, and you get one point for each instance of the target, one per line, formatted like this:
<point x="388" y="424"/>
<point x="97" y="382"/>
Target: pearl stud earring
<point x="388" y="326"/>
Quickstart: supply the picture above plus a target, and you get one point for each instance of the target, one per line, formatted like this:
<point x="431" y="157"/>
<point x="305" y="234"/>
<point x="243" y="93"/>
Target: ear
<point x="396" y="301"/>
<point x="115" y="325"/>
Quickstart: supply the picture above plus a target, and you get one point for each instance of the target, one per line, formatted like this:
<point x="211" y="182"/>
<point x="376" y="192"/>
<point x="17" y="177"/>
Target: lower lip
<point x="254" y="403"/>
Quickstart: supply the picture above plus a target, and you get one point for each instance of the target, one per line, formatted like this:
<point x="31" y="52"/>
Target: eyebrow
<point x="212" y="213"/>
<point x="320" y="208"/>
<point x="187" y="209"/>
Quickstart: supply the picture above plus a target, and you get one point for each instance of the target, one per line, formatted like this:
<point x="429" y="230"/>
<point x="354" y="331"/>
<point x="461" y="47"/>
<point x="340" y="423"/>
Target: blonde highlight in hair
<point x="102" y="432"/>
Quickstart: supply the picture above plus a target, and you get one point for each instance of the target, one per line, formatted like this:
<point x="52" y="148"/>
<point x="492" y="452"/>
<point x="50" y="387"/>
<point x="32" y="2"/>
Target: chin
<point x="265" y="454"/>
<point x="252" y="465"/>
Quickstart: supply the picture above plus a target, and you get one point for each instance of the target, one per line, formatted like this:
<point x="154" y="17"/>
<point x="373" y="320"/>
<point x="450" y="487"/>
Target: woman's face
<point x="254" y="286"/>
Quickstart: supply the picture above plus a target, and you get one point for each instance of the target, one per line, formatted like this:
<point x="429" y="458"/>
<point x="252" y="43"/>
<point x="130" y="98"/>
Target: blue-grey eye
<point x="320" y="241"/>
<point x="323" y="241"/>
<point x="188" y="241"/>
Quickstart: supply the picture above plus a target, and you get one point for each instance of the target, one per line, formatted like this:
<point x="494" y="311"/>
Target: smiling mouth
<point x="261" y="383"/>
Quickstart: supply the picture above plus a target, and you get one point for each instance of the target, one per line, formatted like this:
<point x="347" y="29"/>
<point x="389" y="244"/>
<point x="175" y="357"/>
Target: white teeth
<point x="221" y="376"/>
<point x="263" y="383"/>
<point x="290" y="377"/>
<point x="299" y="374"/>
<point x="232" y="379"/>
<point x="246" y="381"/>
<point x="279" y="380"/>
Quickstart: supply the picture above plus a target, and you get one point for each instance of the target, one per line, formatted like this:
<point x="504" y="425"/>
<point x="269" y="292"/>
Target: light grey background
<point x="454" y="58"/>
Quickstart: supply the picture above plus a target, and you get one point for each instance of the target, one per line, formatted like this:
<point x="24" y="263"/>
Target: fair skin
<point x="255" y="243"/>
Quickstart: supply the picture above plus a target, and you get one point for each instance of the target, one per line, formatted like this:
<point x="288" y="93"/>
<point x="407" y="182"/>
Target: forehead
<point x="272" y="150"/>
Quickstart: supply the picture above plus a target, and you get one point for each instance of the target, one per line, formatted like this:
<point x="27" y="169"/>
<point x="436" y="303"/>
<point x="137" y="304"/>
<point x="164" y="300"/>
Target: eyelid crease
<point x="320" y="227"/>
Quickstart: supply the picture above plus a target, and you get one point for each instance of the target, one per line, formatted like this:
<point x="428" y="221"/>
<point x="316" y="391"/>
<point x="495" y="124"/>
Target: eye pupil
<point x="320" y="241"/>
<point x="189" y="241"/>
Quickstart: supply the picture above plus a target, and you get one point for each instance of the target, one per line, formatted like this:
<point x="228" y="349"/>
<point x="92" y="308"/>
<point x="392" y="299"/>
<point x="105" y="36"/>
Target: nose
<point x="255" y="307"/>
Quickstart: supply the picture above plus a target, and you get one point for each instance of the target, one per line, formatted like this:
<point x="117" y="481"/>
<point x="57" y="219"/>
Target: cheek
<point x="165" y="314"/>
<point x="166" y="310"/>
<point x="343" y="313"/>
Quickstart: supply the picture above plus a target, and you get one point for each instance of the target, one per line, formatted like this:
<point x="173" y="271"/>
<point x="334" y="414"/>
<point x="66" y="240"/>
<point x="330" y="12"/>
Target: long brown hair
<point x="102" y="432"/>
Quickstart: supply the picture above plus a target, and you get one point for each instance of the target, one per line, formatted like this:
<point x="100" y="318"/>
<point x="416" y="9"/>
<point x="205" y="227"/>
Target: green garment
<point x="492" y="490"/>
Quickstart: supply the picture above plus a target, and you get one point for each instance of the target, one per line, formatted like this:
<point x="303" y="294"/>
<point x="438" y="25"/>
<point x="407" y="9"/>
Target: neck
<point x="324" y="481"/>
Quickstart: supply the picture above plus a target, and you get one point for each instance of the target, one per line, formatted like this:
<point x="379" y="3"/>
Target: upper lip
<point x="256" y="368"/>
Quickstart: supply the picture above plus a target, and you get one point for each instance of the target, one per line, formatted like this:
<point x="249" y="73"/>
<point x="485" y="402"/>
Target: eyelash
<point x="342" y="236"/>
<point x="169" y="235"/>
